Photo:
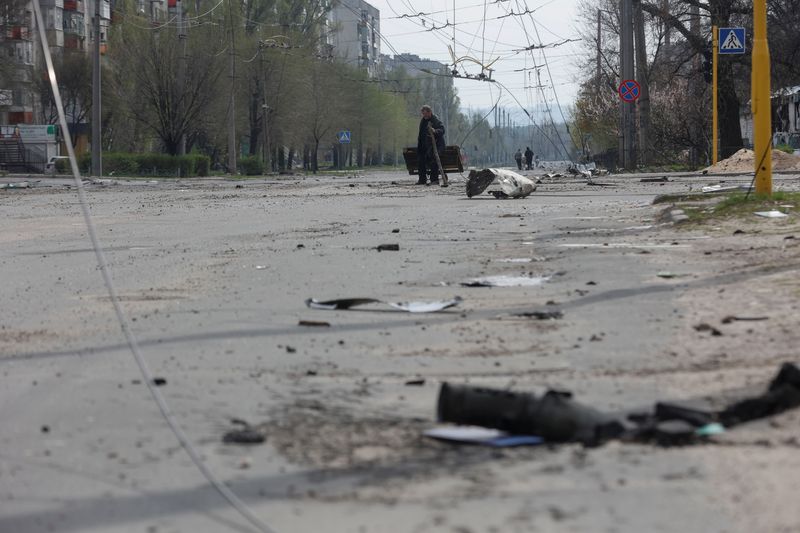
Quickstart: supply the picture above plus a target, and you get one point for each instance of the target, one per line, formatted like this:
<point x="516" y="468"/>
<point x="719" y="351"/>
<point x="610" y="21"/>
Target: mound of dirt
<point x="742" y="161"/>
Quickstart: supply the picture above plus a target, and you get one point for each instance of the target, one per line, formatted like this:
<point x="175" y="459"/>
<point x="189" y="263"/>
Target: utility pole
<point x="626" y="51"/>
<point x="97" y="164"/>
<point x="642" y="77"/>
<point x="597" y="74"/>
<point x="181" y="75"/>
<point x="695" y="84"/>
<point x="714" y="97"/>
<point x="761" y="104"/>
<point x="232" y="102"/>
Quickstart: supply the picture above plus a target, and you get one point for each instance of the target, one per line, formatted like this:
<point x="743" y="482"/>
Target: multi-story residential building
<point x="68" y="26"/>
<point x="415" y="66"/>
<point x="436" y="87"/>
<point x="353" y="34"/>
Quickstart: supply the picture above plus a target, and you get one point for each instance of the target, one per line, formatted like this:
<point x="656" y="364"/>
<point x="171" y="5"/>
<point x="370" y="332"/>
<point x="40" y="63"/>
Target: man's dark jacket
<point x="424" y="140"/>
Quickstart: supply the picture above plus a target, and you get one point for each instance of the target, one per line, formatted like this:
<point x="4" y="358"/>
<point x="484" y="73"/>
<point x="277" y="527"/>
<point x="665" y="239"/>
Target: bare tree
<point x="144" y="78"/>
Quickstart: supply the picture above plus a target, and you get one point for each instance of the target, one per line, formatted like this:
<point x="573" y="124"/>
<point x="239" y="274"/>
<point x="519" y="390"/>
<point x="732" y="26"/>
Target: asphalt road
<point x="213" y="274"/>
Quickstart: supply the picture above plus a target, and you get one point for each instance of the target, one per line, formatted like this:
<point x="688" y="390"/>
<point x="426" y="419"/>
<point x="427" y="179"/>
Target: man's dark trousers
<point x="426" y="159"/>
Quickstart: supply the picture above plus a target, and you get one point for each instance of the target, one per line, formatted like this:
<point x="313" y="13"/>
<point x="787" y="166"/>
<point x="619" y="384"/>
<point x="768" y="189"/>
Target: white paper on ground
<point x="770" y="214"/>
<point x="480" y="435"/>
<point x="506" y="281"/>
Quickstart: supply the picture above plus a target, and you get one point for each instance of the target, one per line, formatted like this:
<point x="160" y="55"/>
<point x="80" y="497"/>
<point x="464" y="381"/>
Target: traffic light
<point x="708" y="65"/>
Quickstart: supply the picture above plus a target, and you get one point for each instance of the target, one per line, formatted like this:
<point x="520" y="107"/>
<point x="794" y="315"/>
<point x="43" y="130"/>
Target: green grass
<point x="734" y="206"/>
<point x="740" y="204"/>
<point x="678" y="198"/>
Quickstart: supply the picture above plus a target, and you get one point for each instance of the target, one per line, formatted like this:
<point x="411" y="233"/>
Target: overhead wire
<point x="566" y="151"/>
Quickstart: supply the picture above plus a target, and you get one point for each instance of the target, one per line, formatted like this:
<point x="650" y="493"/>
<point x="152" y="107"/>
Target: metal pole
<point x="760" y="87"/>
<point x="97" y="162"/>
<point x="714" y="102"/>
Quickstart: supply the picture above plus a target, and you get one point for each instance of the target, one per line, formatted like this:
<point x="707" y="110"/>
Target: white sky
<point x="551" y="21"/>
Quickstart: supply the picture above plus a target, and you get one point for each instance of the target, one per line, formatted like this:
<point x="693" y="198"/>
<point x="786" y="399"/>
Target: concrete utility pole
<point x="181" y="71"/>
<point x="97" y="164"/>
<point x="626" y="59"/>
<point x="232" y="102"/>
<point x="642" y="77"/>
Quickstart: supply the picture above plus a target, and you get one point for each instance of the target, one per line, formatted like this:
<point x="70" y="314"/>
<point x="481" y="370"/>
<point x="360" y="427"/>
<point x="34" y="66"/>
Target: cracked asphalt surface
<point x="213" y="275"/>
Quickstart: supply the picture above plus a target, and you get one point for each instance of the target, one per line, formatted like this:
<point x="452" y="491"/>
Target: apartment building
<point x="68" y="26"/>
<point x="353" y="34"/>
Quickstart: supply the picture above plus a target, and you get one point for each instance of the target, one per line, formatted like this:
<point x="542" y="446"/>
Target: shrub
<point x="128" y="164"/>
<point x="251" y="166"/>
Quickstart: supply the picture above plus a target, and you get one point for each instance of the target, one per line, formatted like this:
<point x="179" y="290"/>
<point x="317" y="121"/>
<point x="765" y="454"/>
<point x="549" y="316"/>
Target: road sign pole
<point x="760" y="97"/>
<point x="714" y="110"/>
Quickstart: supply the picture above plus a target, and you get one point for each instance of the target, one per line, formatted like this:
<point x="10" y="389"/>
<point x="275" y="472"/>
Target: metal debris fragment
<point x="410" y="307"/>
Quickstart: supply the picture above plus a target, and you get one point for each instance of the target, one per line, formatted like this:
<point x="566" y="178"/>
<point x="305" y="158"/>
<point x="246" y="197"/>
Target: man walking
<point x="426" y="157"/>
<point x="528" y="157"/>
<point x="518" y="159"/>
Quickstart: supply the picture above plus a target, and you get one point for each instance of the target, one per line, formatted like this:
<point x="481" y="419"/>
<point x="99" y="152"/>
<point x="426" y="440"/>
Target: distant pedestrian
<point x="425" y="154"/>
<point x="518" y="159"/>
<point x="536" y="161"/>
<point x="528" y="157"/>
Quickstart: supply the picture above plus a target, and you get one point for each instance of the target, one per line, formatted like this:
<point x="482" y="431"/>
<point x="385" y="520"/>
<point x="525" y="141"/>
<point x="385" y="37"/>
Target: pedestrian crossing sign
<point x="731" y="40"/>
<point x="343" y="136"/>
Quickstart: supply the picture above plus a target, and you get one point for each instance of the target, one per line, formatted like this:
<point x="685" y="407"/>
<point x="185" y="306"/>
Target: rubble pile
<point x="743" y="161"/>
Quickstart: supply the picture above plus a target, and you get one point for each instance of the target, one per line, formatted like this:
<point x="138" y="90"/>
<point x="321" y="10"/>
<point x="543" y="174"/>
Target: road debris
<point x="410" y="307"/>
<point x="713" y="189"/>
<point x="708" y="327"/>
<point x="670" y="275"/>
<point x="506" y="281"/>
<point x="481" y="435"/>
<point x="16" y="185"/>
<point x="415" y="382"/>
<point x="245" y="434"/>
<point x="663" y="179"/>
<point x="556" y="417"/>
<point x="388" y="247"/>
<point x="584" y="169"/>
<point x="771" y="214"/>
<point x="541" y="315"/>
<point x="314" y="323"/>
<point x="730" y="318"/>
<point x="499" y="182"/>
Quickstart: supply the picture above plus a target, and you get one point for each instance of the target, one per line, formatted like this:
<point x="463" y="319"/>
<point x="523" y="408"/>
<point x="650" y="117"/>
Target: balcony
<point x="73" y="5"/>
<point x="17" y="33"/>
<point x="74" y="24"/>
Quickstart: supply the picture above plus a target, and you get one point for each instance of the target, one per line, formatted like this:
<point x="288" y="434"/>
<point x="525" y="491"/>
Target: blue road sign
<point x="343" y="136"/>
<point x="731" y="40"/>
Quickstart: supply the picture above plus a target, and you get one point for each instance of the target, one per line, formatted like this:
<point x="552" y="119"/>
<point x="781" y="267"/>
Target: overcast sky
<point x="485" y="32"/>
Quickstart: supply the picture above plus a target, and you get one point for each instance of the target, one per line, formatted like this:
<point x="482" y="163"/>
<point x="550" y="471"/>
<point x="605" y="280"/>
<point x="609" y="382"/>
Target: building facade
<point x="353" y="34"/>
<point x="68" y="26"/>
